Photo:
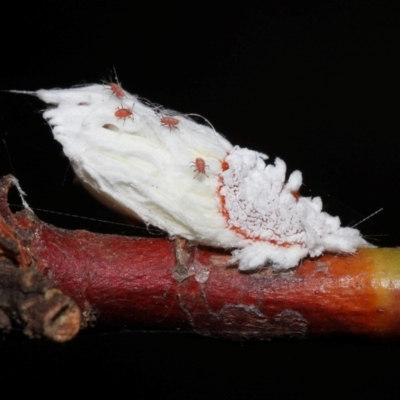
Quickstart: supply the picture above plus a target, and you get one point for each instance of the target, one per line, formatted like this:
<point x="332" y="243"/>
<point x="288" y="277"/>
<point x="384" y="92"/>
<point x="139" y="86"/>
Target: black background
<point x="315" y="83"/>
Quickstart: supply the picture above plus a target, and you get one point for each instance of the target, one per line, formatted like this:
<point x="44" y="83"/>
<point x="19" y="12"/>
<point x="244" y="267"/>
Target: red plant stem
<point x="131" y="281"/>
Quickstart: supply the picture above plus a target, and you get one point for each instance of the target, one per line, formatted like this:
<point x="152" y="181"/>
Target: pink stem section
<point x="134" y="281"/>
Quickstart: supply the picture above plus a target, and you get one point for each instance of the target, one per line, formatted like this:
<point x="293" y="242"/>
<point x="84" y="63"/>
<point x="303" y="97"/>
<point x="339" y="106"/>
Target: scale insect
<point x="170" y="122"/>
<point x="123" y="113"/>
<point x="199" y="166"/>
<point x="117" y="90"/>
<point x="115" y="87"/>
<point x="247" y="205"/>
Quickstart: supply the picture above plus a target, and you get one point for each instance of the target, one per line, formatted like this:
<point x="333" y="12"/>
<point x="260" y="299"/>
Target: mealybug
<point x="169" y="122"/>
<point x="199" y="166"/>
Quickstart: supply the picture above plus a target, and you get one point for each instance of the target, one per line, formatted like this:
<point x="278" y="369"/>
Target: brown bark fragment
<point x="30" y="301"/>
<point x="27" y="298"/>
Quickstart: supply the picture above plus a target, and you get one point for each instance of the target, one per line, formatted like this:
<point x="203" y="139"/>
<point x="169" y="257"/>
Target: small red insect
<point x="170" y="122"/>
<point x="200" y="166"/>
<point x="123" y="113"/>
<point x="117" y="90"/>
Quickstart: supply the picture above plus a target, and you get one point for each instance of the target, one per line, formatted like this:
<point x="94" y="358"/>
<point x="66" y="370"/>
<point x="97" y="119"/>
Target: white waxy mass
<point x="183" y="177"/>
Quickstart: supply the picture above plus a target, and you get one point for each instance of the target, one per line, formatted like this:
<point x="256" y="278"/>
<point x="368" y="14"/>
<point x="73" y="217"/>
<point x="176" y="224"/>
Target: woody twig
<point x="170" y="285"/>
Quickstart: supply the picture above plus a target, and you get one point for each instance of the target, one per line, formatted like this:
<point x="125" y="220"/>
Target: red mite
<point x="117" y="90"/>
<point x="169" y="122"/>
<point x="200" y="166"/>
<point x="123" y="113"/>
